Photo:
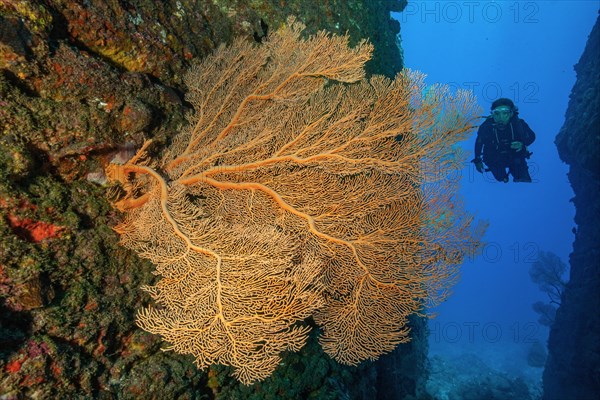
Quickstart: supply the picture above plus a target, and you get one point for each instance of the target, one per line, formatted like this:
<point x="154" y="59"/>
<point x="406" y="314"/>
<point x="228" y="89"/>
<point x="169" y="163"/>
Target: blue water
<point x="525" y="51"/>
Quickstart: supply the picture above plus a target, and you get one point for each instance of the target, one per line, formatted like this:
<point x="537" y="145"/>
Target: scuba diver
<point x="503" y="137"/>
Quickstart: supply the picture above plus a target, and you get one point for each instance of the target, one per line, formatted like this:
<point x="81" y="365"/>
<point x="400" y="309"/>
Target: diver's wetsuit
<point x="495" y="139"/>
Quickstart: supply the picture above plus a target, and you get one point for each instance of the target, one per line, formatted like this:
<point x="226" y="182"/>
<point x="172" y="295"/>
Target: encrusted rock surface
<point x="83" y="82"/>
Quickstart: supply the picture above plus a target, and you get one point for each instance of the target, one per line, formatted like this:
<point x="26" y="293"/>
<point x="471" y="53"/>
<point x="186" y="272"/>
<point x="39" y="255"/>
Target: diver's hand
<point x="478" y="165"/>
<point x="516" y="146"/>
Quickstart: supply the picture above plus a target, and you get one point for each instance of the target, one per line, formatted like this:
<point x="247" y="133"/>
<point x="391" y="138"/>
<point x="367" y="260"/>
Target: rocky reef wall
<point x="573" y="367"/>
<point x="83" y="82"/>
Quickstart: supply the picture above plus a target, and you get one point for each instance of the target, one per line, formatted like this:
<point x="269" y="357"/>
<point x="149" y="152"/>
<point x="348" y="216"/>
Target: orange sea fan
<point x="300" y="189"/>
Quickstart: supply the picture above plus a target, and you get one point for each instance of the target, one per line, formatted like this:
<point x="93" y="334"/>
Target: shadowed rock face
<point x="81" y="83"/>
<point x="573" y="366"/>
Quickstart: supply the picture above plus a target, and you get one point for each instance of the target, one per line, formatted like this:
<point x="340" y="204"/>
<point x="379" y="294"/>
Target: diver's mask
<point x="502" y="114"/>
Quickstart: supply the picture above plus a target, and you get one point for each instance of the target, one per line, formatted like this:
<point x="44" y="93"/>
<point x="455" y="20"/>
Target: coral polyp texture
<point x="299" y="189"/>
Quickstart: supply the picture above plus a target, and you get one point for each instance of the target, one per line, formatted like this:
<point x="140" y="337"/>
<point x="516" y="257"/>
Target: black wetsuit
<point x="495" y="139"/>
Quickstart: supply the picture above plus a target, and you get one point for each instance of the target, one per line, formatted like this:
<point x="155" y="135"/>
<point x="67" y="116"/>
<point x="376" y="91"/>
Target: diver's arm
<point x="528" y="134"/>
<point x="478" y="146"/>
